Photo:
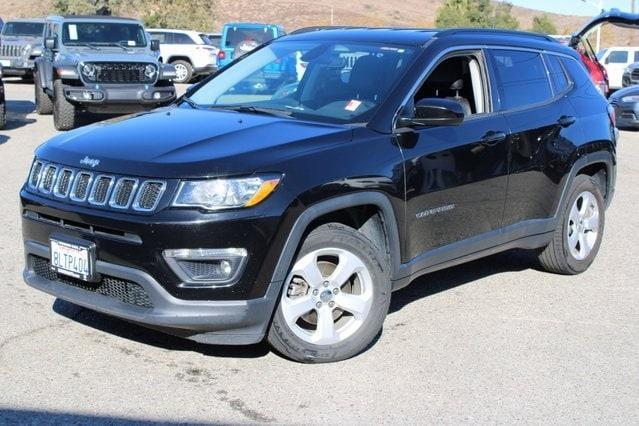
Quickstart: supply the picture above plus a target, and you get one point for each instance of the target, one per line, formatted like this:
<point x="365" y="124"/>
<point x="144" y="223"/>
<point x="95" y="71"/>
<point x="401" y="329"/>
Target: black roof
<point x="420" y="36"/>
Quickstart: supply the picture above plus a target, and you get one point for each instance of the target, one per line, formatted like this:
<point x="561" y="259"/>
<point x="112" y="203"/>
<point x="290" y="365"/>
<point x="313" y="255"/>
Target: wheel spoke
<point x="355" y="304"/>
<point x="573" y="238"/>
<point x="583" y="250"/>
<point x="295" y="308"/>
<point x="347" y="266"/>
<point x="592" y="223"/>
<point x="307" y="269"/>
<point x="325" y="331"/>
<point x="585" y="204"/>
<point x="574" y="213"/>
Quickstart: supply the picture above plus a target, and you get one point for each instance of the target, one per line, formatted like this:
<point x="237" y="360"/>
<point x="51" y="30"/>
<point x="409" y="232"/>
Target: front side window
<point x="324" y="81"/>
<point x="460" y="79"/>
<point x="103" y="33"/>
<point x="636" y="57"/>
<point x="618" y="57"/>
<point x="521" y="78"/>
<point x="161" y="37"/>
<point x="23" y="29"/>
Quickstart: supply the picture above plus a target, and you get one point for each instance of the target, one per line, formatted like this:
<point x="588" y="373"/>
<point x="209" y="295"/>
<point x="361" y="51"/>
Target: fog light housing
<point x="207" y="267"/>
<point x="157" y="95"/>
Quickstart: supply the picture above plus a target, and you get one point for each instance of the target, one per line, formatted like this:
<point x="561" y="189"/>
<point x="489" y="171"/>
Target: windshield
<point x="323" y="81"/>
<point x="243" y="40"/>
<point x="30" y="29"/>
<point x="103" y="33"/>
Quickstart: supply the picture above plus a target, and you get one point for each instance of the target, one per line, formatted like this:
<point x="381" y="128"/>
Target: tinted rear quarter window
<point x="521" y="78"/>
<point x="636" y="57"/>
<point x="557" y="75"/>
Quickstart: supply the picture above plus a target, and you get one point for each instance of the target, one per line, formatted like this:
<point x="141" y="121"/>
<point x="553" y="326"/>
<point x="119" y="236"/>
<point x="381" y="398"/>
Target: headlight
<point x="88" y="71"/>
<point x="627" y="70"/>
<point x="219" y="194"/>
<point x="149" y="71"/>
<point x="630" y="99"/>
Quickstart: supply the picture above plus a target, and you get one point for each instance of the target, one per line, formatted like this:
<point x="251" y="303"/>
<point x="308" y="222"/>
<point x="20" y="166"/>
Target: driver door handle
<point x="493" y="138"/>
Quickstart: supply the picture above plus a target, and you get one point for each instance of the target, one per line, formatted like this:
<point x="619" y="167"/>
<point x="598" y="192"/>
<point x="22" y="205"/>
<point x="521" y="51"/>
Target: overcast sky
<point x="572" y="7"/>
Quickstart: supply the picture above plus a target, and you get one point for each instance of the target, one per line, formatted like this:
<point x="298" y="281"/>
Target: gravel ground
<point x="493" y="341"/>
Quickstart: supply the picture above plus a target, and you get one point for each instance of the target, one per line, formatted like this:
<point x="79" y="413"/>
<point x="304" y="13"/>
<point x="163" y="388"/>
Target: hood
<point x="626" y="91"/>
<point x="84" y="54"/>
<point x="10" y="39"/>
<point x="612" y="16"/>
<point x="177" y="142"/>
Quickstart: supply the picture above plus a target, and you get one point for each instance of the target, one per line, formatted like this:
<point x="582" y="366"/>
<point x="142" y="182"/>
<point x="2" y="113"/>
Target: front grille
<point x="122" y="73"/>
<point x="63" y="183"/>
<point x="149" y="195"/>
<point x="48" y="178"/>
<point x="100" y="190"/>
<point x="125" y="291"/>
<point x="11" y="50"/>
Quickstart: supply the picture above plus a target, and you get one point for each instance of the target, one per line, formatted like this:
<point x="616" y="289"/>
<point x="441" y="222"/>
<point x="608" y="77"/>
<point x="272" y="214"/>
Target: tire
<point x="3" y="115"/>
<point x="65" y="116"/>
<point x="43" y="102"/>
<point x="349" y="308"/>
<point x="184" y="71"/>
<point x="575" y="244"/>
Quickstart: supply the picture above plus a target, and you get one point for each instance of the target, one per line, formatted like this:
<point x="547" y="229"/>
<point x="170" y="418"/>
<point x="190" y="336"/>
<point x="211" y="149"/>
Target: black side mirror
<point x="50" y="43"/>
<point x="155" y="45"/>
<point x="434" y="112"/>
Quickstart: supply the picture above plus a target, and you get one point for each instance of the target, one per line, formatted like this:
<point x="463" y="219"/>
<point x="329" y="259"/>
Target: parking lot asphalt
<point x="494" y="341"/>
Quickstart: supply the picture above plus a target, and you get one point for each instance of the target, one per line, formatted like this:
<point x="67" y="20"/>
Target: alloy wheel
<point x="583" y="225"/>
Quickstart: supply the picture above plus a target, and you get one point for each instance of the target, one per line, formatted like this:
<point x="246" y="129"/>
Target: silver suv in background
<point x="187" y="51"/>
<point x="20" y="45"/>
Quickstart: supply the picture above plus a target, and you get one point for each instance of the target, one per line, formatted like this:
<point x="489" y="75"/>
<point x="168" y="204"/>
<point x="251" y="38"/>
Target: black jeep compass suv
<point x="290" y="206"/>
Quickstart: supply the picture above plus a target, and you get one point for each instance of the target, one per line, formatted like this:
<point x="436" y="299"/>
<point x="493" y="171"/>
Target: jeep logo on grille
<point x="92" y="162"/>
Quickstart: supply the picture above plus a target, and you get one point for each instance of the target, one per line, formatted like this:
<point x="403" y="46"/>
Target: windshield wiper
<point x="79" y="43"/>
<point x="191" y="102"/>
<point x="254" y="110"/>
<point x="120" y="45"/>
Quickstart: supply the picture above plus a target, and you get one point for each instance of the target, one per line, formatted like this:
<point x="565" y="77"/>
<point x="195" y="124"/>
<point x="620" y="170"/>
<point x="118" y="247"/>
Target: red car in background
<point x="579" y="42"/>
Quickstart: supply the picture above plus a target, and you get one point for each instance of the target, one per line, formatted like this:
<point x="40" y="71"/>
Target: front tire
<point x="43" y="103"/>
<point x="184" y="71"/>
<point x="578" y="236"/>
<point x="65" y="116"/>
<point x="335" y="298"/>
<point x="3" y="115"/>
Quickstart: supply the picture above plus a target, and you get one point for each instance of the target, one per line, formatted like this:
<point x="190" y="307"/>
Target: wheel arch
<point x="600" y="165"/>
<point x="369" y="212"/>
<point x="174" y="58"/>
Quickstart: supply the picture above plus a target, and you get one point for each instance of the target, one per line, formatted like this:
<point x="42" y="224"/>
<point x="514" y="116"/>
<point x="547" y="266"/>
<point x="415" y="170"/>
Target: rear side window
<point x="521" y="78"/>
<point x="180" y="38"/>
<point x="636" y="56"/>
<point x="557" y="75"/>
<point x="576" y="70"/>
<point x="618" y="57"/>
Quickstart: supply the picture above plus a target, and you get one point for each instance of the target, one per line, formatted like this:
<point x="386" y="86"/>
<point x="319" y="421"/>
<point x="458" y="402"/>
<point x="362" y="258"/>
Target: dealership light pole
<point x="599" y="7"/>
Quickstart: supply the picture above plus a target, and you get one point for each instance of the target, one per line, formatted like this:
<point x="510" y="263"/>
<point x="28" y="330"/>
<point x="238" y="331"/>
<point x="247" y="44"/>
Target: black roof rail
<point x="488" y="31"/>
<point x="322" y="28"/>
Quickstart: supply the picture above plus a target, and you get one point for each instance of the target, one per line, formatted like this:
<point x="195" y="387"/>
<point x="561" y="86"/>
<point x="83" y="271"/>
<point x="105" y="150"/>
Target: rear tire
<point x="335" y="299"/>
<point x="578" y="236"/>
<point x="65" y="116"/>
<point x="184" y="71"/>
<point x="43" y="102"/>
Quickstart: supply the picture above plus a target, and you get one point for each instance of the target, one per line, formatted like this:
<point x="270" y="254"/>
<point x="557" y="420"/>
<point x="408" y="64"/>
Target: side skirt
<point x="525" y="235"/>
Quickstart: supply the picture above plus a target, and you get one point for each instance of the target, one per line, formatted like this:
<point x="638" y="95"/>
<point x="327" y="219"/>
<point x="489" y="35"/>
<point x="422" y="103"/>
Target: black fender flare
<point x="321" y="208"/>
<point x="604" y="157"/>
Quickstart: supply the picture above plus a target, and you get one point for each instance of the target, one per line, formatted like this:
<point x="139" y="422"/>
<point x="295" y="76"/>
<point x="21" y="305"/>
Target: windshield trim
<point x="102" y="43"/>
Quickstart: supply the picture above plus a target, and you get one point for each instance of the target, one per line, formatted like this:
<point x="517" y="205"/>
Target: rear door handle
<point x="566" y="120"/>
<point x="493" y="138"/>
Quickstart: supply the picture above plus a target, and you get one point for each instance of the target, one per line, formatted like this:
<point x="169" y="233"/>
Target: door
<point x="51" y="30"/>
<point x="455" y="175"/>
<point x="533" y="92"/>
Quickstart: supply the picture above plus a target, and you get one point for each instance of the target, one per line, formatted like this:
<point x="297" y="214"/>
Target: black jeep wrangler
<point x="98" y="64"/>
<point x="291" y="211"/>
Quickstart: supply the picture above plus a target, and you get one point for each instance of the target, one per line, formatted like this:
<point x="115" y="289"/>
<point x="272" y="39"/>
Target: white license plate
<point x="71" y="259"/>
<point x="5" y="62"/>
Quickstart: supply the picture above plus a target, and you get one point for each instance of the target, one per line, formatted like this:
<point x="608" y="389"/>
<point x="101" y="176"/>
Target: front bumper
<point x="240" y="322"/>
<point x="17" y="67"/>
<point x="124" y="98"/>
